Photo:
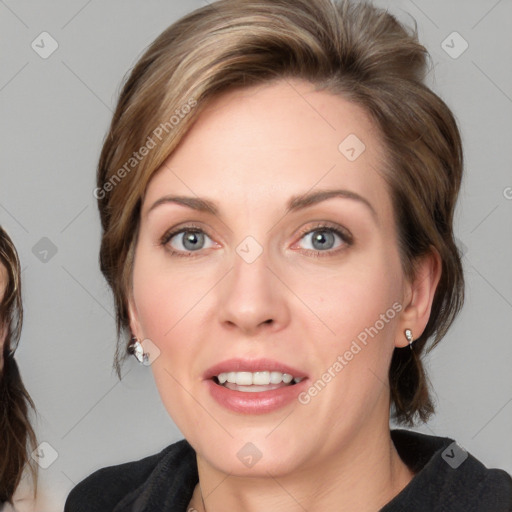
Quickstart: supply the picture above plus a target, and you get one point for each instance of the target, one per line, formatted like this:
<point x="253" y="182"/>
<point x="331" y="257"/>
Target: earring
<point x="408" y="335"/>
<point x="135" y="347"/>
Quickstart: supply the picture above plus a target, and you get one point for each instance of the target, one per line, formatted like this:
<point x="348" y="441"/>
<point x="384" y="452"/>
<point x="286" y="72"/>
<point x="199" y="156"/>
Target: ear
<point x="419" y="295"/>
<point x="133" y="315"/>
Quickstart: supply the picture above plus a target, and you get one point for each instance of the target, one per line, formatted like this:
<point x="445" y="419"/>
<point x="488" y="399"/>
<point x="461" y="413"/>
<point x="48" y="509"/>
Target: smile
<point x="254" y="387"/>
<point x="256" y="381"/>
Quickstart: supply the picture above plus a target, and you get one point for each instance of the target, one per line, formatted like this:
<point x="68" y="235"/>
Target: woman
<point x="16" y="433"/>
<point x="250" y="134"/>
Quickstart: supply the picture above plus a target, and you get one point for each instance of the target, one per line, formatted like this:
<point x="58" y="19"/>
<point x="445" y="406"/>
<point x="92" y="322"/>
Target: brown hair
<point x="17" y="436"/>
<point x="354" y="50"/>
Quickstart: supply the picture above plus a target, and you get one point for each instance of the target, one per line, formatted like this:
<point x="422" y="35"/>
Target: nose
<point x="253" y="298"/>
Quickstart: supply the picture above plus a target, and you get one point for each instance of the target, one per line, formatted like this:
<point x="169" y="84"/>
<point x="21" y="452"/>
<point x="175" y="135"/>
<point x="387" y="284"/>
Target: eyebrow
<point x="294" y="204"/>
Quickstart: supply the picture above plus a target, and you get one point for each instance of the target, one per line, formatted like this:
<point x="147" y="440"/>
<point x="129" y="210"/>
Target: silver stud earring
<point x="408" y="335"/>
<point x="135" y="347"/>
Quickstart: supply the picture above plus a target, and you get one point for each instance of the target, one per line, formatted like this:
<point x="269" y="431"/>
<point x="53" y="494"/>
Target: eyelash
<point x="343" y="234"/>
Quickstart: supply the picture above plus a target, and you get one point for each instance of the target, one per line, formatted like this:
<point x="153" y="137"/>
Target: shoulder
<point x="448" y="477"/>
<point x="472" y="485"/>
<point x="107" y="487"/>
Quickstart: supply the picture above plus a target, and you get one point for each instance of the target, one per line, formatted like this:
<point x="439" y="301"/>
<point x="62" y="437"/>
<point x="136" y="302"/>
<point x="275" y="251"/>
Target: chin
<point x="256" y="453"/>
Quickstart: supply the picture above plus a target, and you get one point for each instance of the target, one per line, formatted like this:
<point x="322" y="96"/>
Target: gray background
<point x="55" y="112"/>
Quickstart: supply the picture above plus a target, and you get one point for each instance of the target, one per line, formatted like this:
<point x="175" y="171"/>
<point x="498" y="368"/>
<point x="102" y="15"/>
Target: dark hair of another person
<point x="16" y="432"/>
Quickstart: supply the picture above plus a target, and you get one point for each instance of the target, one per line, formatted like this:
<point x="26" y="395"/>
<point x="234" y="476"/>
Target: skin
<point x="250" y="151"/>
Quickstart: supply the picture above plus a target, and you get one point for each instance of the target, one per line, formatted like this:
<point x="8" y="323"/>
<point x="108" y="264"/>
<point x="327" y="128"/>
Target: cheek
<point x="358" y="308"/>
<point x="168" y="306"/>
<point x="164" y="295"/>
<point x="347" y="301"/>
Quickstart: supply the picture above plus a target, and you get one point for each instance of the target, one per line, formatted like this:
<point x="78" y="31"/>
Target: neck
<point x="362" y="476"/>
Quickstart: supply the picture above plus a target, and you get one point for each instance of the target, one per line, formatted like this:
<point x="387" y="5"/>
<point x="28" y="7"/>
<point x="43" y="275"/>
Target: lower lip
<point x="255" y="403"/>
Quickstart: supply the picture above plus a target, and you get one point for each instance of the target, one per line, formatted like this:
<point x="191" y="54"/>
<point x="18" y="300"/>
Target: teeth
<point x="260" y="378"/>
<point x="244" y="378"/>
<point x="263" y="378"/>
<point x="287" y="378"/>
<point x="276" y="377"/>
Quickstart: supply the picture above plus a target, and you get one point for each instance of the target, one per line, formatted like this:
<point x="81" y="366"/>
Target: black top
<point x="447" y="479"/>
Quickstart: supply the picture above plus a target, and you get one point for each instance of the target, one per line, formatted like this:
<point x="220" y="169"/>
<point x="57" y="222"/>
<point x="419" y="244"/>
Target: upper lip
<point x="251" y="365"/>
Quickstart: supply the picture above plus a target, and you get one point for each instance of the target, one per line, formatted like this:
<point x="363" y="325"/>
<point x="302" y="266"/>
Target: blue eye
<point x="323" y="237"/>
<point x="193" y="240"/>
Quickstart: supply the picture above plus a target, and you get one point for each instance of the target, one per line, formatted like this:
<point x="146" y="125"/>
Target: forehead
<point x="264" y="143"/>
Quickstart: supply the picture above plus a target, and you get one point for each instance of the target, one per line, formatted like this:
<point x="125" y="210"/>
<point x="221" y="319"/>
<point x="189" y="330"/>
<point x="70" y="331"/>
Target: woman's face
<point x="271" y="282"/>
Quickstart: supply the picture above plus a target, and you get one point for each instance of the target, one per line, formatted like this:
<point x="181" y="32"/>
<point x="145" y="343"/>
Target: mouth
<point x="254" y="386"/>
